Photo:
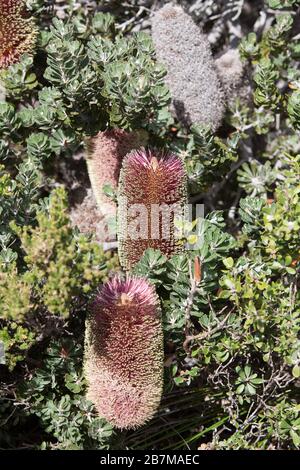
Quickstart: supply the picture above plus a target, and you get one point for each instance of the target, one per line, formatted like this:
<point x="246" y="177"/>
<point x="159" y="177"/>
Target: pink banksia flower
<point x="152" y="195"/>
<point x="17" y="32"/>
<point x="124" y="352"/>
<point x="105" y="152"/>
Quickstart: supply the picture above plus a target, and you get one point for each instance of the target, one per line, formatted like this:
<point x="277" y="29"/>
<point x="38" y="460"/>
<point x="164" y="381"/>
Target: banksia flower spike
<point x="152" y="195"/>
<point x="124" y="352"/>
<point x="104" y="159"/>
<point x="17" y="32"/>
<point x="192" y="78"/>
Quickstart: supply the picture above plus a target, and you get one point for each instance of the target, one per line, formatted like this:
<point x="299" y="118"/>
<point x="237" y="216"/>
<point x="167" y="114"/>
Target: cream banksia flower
<point x="124" y="352"/>
<point x="152" y="195"/>
<point x="192" y="78"/>
<point x="17" y="32"/>
<point x="104" y="157"/>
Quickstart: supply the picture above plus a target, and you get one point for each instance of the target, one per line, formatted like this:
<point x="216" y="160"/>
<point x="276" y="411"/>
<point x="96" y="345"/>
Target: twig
<point x="206" y="334"/>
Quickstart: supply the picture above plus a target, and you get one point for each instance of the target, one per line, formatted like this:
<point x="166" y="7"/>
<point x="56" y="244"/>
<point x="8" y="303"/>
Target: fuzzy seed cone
<point x="192" y="78"/>
<point x="17" y="32"/>
<point x="230" y="70"/>
<point x="124" y="353"/>
<point x="105" y="152"/>
<point x="152" y="194"/>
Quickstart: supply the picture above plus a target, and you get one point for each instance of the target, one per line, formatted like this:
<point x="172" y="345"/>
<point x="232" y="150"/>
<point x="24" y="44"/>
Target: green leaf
<point x="296" y="371"/>
<point x="228" y="262"/>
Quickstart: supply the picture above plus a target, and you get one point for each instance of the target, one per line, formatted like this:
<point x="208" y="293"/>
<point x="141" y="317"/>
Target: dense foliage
<point x="230" y="304"/>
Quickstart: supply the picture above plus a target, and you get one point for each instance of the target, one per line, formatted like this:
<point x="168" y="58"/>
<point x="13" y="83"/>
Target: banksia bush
<point x="197" y="95"/>
<point x="124" y="352"/>
<point x="152" y="194"/>
<point x="230" y="303"/>
<point x="104" y="159"/>
<point x="17" y="32"/>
